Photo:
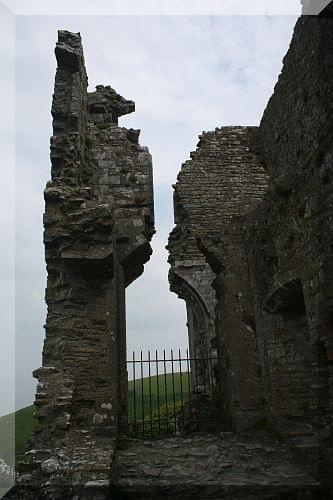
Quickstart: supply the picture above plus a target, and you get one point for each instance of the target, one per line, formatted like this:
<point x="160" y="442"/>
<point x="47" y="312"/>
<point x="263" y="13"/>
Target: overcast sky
<point x="186" y="74"/>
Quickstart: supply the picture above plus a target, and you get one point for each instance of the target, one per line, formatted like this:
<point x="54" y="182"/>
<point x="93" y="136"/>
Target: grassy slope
<point x="142" y="389"/>
<point x="24" y="426"/>
<point x="25" y="423"/>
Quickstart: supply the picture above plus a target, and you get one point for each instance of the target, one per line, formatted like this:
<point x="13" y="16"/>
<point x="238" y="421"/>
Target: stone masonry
<point x="253" y="214"/>
<point x="251" y="255"/>
<point x="99" y="219"/>
<point x="229" y="180"/>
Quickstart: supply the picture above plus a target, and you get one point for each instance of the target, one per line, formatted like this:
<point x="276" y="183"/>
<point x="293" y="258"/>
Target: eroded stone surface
<point x="212" y="466"/>
<point x="99" y="219"/>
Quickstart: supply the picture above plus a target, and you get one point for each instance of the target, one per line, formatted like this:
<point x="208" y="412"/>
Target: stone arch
<point x="291" y="315"/>
<point x="200" y="324"/>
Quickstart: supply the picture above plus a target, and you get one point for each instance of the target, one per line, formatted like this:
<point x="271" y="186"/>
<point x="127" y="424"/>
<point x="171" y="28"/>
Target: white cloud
<point x="7" y="303"/>
<point x="186" y="74"/>
<point x="151" y="7"/>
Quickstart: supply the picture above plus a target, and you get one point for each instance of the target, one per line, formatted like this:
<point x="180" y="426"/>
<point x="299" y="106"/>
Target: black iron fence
<point x="170" y="394"/>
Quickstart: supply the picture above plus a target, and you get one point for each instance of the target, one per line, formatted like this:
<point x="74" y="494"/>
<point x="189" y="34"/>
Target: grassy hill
<point x="161" y="390"/>
<point x="158" y="390"/>
<point x="24" y="427"/>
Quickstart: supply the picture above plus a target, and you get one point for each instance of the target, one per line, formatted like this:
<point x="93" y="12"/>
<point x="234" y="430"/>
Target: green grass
<point x="159" y="390"/>
<point x="161" y="383"/>
<point x="25" y="423"/>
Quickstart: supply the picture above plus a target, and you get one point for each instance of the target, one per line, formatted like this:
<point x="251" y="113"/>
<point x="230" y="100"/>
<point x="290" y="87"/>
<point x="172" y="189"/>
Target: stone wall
<point x="251" y="255"/>
<point x="290" y="251"/>
<point x="256" y="204"/>
<point x="99" y="219"/>
<point x="223" y="181"/>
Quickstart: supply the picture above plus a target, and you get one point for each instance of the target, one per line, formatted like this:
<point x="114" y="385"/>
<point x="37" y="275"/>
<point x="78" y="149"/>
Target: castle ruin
<point x="251" y="255"/>
<point x="251" y="252"/>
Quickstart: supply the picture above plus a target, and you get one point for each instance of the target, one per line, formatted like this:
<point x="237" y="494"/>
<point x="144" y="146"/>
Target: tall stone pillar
<point x="99" y="219"/>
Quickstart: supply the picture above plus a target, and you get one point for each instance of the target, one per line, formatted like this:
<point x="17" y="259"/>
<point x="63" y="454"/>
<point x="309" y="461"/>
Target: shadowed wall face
<point x="255" y="204"/>
<point x="290" y="251"/>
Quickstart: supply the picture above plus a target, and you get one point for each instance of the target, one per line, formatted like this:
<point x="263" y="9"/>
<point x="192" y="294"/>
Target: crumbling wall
<point x="215" y="189"/>
<point x="272" y="257"/>
<point x="99" y="219"/>
<point x="269" y="247"/>
<point x="290" y="251"/>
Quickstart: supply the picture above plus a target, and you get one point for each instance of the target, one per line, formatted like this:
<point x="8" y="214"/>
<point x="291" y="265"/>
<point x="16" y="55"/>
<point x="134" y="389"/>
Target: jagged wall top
<point x="69" y="110"/>
<point x="105" y="105"/>
<point x="69" y="51"/>
<point x="229" y="182"/>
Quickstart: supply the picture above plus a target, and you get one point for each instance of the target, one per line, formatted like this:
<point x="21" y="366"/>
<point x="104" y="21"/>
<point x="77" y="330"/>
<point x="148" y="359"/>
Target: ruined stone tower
<point x="99" y="219"/>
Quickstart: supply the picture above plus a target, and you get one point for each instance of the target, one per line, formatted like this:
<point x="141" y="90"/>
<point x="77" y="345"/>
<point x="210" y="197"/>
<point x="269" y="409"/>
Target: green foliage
<point x="153" y="398"/>
<point x="162" y="421"/>
<point x="157" y="390"/>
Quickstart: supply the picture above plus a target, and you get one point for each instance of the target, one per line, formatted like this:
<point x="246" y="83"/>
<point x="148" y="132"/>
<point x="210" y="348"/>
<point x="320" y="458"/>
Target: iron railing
<point x="169" y="394"/>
